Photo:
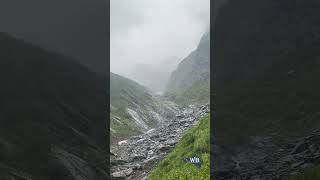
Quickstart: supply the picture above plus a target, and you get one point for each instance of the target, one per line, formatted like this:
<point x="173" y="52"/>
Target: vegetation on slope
<point x="196" y="142"/>
<point x="308" y="174"/>
<point x="134" y="109"/>
<point x="190" y="82"/>
<point x="124" y="94"/>
<point x="199" y="92"/>
<point x="122" y="84"/>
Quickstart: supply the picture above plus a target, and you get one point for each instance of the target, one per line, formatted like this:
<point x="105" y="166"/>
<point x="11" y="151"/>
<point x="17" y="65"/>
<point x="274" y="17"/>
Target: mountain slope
<point x="267" y="70"/>
<point x="46" y="129"/>
<point x="190" y="82"/>
<point x="196" y="142"/>
<point x="134" y="109"/>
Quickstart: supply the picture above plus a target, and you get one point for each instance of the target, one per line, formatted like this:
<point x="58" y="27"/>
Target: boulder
<point x="122" y="173"/>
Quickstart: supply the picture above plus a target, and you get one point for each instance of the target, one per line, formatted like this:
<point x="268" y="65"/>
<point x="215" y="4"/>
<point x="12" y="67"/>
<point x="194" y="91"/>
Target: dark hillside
<point x="53" y="119"/>
<point x="267" y="67"/>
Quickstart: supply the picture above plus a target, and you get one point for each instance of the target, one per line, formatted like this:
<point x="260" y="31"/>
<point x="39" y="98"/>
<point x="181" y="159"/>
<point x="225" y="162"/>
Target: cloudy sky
<point x="76" y="28"/>
<point x="149" y="31"/>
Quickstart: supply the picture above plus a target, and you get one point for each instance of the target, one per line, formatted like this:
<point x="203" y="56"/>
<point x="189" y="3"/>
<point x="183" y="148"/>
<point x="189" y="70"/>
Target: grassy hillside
<point x="190" y="82"/>
<point x="133" y="108"/>
<point x="124" y="94"/>
<point x="122" y="84"/>
<point x="308" y="174"/>
<point x="199" y="92"/>
<point x="196" y="142"/>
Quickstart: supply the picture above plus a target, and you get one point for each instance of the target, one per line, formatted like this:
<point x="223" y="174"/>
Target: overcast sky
<point x="149" y="31"/>
<point x="76" y="28"/>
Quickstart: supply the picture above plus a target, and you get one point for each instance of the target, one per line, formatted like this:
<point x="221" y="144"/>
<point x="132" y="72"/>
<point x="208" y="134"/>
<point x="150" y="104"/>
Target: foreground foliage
<point x="196" y="142"/>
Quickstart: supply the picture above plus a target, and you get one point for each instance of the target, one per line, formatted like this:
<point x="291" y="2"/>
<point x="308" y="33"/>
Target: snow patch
<point x="122" y="142"/>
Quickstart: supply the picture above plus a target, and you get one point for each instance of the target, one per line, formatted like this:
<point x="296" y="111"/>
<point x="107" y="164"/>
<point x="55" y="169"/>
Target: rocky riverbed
<point x="262" y="159"/>
<point x="134" y="158"/>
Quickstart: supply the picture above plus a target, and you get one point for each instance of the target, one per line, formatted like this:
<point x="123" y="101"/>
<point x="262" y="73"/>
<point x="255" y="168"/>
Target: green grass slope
<point x="196" y="142"/>
<point x="199" y="92"/>
<point x="121" y="84"/>
<point x="124" y="94"/>
<point x="135" y="109"/>
<point x="190" y="82"/>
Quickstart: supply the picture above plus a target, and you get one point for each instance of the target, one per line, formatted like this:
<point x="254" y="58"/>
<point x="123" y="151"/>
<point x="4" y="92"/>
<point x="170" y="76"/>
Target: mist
<point x="74" y="28"/>
<point x="154" y="34"/>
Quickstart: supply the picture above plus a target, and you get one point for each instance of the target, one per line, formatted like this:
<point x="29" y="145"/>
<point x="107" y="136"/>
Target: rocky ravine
<point x="136" y="157"/>
<point x="262" y="159"/>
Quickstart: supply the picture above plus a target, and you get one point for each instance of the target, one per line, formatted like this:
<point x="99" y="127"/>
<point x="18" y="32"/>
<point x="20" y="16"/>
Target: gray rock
<point x="123" y="173"/>
<point x="150" y="163"/>
<point x="269" y="162"/>
<point x="163" y="148"/>
<point x="142" y="153"/>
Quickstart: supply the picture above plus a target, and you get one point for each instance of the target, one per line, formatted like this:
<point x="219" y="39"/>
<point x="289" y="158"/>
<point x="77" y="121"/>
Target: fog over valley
<point x="149" y="39"/>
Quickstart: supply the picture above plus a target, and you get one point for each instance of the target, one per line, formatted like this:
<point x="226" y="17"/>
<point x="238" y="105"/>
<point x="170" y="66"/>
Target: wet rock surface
<point x="136" y="157"/>
<point x="262" y="159"/>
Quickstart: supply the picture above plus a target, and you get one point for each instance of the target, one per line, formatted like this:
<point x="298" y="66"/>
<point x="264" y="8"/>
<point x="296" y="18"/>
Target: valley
<point x="136" y="157"/>
<point x="147" y="127"/>
<point x="135" y="109"/>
